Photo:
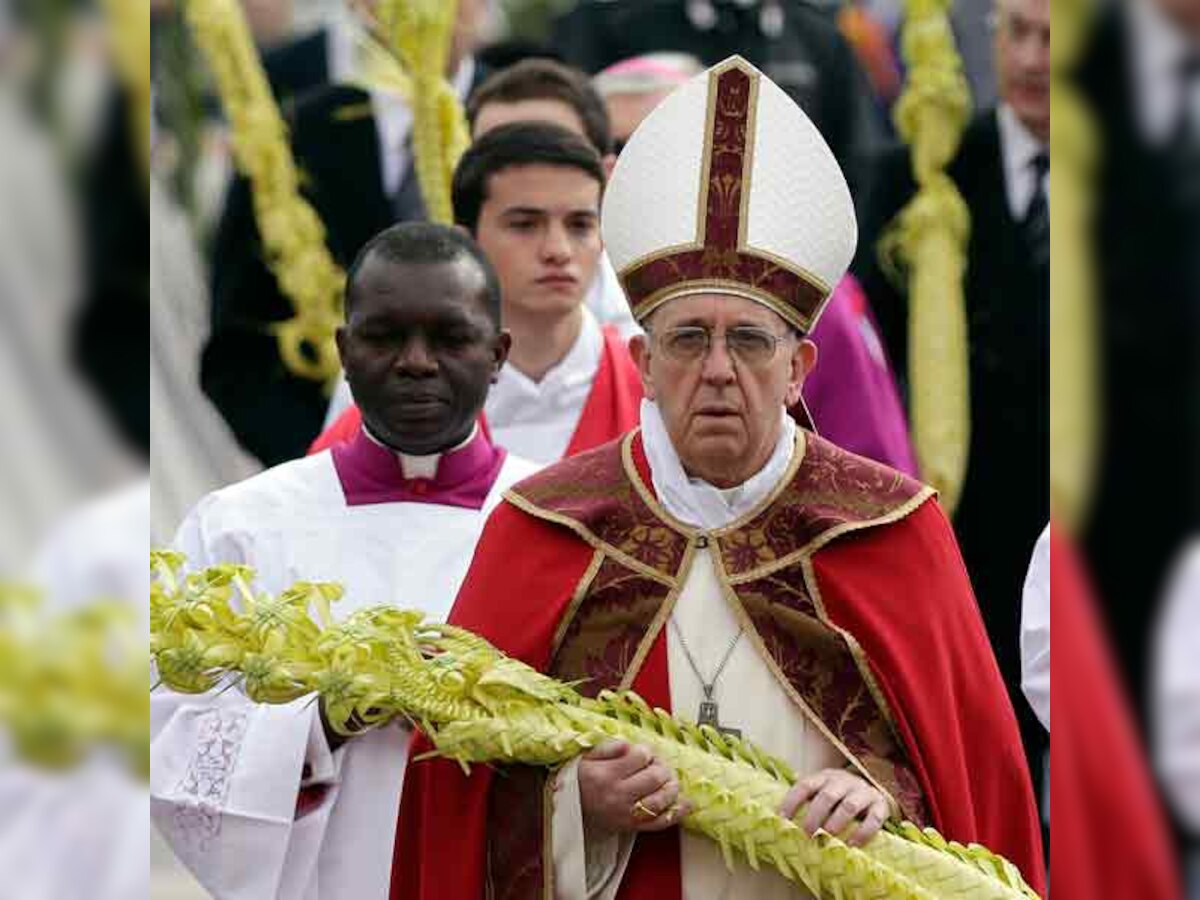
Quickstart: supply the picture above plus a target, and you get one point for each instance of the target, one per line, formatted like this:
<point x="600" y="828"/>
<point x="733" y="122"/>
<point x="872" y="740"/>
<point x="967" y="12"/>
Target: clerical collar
<point x="419" y="466"/>
<point x="371" y="472"/>
<point x="696" y="502"/>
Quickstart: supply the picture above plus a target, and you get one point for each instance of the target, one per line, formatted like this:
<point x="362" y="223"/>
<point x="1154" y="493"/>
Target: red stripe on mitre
<point x="725" y="156"/>
<point x="720" y="259"/>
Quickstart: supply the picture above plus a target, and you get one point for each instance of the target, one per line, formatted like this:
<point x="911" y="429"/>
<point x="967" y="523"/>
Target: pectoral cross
<point x="709" y="714"/>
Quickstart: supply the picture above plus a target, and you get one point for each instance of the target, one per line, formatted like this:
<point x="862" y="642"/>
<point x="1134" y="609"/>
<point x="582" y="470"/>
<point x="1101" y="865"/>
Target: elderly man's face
<point x="1023" y="61"/>
<point x="627" y="111"/>
<point x="722" y="407"/>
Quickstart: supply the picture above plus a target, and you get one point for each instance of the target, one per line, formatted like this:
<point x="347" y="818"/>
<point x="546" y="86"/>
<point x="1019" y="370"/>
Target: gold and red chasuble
<point x="849" y="585"/>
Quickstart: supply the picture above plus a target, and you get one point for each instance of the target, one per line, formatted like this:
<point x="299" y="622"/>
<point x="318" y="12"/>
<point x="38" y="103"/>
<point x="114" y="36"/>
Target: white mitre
<point x="728" y="187"/>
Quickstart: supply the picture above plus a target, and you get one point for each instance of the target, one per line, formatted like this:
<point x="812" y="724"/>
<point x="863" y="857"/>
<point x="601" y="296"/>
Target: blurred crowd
<point x="77" y="191"/>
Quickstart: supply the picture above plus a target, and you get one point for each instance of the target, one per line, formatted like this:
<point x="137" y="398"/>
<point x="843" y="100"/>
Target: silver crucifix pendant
<point x="709" y="716"/>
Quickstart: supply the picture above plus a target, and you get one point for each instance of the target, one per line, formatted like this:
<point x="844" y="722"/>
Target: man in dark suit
<point x="1141" y="74"/>
<point x="1001" y="169"/>
<point x="353" y="149"/>
<point x="797" y="45"/>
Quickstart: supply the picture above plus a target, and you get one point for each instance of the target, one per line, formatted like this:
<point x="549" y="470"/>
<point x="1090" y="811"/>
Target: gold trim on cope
<point x="809" y="573"/>
<point x="659" y="621"/>
<point x="581" y="590"/>
<point x="583" y="532"/>
<point x="751" y="632"/>
<point x="894" y="515"/>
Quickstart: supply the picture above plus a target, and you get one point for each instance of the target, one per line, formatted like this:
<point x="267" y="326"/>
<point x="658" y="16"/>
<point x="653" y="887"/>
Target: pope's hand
<point x="622" y="787"/>
<point x="836" y="798"/>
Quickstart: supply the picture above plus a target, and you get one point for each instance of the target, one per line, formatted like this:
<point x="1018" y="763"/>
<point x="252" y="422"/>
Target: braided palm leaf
<point x="72" y="682"/>
<point x="293" y="235"/>
<point x="418" y="35"/>
<point x="928" y="241"/>
<point x="478" y="705"/>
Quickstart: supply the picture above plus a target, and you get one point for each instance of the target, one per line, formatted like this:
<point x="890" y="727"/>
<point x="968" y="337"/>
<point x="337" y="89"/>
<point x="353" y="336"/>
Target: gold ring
<point x="646" y="811"/>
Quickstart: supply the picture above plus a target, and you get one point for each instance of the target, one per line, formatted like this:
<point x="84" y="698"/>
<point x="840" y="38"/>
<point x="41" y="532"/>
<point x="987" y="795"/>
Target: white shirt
<point x="536" y="419"/>
<point x="1018" y="149"/>
<point x="1158" y="48"/>
<point x="1035" y="631"/>
<point x="393" y="122"/>
<point x="1177" y="690"/>
<point x="342" y="34"/>
<point x="225" y="773"/>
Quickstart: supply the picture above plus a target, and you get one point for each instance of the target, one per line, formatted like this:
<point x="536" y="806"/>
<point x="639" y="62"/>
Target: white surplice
<point x="748" y="695"/>
<point x="226" y="774"/>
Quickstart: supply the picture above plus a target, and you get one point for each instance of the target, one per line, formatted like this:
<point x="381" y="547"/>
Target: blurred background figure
<point x="1112" y="838"/>
<point x="1176" y="702"/>
<point x="61" y="445"/>
<point x="1002" y="171"/>
<point x="631" y="88"/>
<point x="1141" y="76"/>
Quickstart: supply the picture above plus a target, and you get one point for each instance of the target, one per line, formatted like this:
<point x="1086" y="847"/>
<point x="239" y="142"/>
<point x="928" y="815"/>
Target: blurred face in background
<point x="540" y="227"/>
<point x="626" y="112"/>
<point x="1023" y="61"/>
<point x="473" y="16"/>
<point x="269" y="20"/>
<point x="1185" y="14"/>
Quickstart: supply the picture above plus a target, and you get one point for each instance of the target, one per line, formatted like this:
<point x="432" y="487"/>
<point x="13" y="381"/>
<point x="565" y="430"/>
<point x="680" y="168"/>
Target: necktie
<point x="1035" y="227"/>
<point x="407" y="203"/>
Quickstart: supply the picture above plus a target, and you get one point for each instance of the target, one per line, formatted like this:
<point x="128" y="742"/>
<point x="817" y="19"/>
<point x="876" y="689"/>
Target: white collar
<point x="420" y="466"/>
<point x="575" y="369"/>
<point x="1018" y="149"/>
<point x="1158" y="48"/>
<point x="698" y="503"/>
<point x="341" y="41"/>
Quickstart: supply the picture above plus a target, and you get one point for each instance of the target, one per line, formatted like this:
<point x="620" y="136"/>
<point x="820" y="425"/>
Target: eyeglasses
<point x="747" y="344"/>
